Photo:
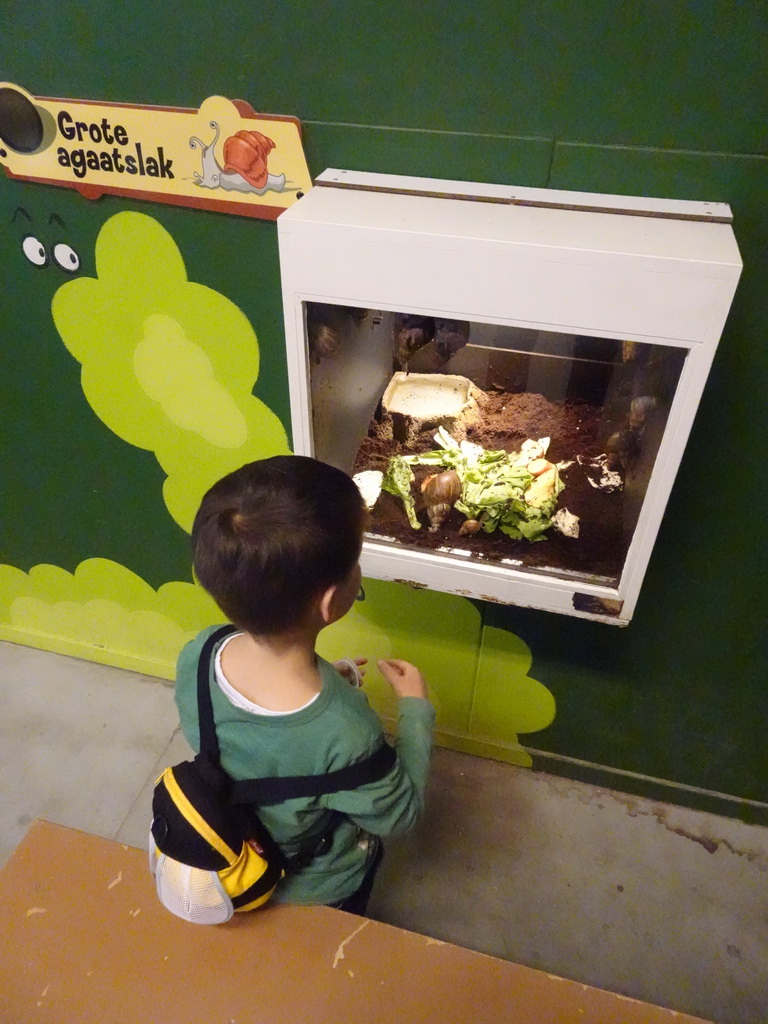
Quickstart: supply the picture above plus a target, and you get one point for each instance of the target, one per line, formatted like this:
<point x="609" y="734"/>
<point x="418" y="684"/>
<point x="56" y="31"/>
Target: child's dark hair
<point x="272" y="536"/>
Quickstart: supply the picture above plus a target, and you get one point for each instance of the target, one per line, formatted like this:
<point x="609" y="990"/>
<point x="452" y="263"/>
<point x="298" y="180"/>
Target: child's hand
<point x="404" y="678"/>
<point x="352" y="671"/>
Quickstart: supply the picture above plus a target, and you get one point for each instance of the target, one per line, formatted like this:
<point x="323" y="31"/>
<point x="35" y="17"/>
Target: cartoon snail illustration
<point x="245" y="163"/>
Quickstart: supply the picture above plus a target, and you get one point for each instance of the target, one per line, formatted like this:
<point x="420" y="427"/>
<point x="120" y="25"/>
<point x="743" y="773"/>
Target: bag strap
<point x="209" y="742"/>
<point x="278" y="789"/>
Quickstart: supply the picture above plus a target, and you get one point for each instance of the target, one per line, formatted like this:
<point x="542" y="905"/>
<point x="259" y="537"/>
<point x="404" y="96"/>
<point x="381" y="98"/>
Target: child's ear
<point x="328" y="605"/>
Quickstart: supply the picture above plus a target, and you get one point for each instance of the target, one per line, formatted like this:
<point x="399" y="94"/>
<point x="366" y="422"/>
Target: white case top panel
<point x="523" y="194"/>
<point x="710" y="245"/>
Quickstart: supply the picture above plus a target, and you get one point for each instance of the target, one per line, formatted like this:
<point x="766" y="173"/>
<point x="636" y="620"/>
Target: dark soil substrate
<point x="576" y="428"/>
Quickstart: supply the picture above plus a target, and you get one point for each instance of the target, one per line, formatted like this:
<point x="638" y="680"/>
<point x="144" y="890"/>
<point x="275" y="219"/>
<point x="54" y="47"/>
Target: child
<point x="276" y="544"/>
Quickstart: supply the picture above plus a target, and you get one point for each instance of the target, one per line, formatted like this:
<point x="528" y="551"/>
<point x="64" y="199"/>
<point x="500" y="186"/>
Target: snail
<point x="328" y="326"/>
<point x="450" y="337"/>
<point x="411" y="334"/>
<point x="639" y="410"/>
<point x="245" y="163"/>
<point x="324" y="341"/>
<point x="245" y="153"/>
<point x="441" y="491"/>
<point x="470" y="527"/>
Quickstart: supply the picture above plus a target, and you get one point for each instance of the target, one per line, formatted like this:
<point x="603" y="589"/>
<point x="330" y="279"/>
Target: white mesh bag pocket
<point x="192" y="894"/>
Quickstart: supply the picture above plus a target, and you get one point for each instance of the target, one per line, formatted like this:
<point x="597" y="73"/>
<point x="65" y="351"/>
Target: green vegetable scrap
<point x="397" y="481"/>
<point x="493" y="487"/>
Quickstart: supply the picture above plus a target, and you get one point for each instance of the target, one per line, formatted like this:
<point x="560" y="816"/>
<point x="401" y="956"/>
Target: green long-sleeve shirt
<point x="337" y="729"/>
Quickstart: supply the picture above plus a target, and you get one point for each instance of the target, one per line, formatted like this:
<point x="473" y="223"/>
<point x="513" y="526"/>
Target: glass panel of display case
<point x="510" y="374"/>
<point x="525" y="448"/>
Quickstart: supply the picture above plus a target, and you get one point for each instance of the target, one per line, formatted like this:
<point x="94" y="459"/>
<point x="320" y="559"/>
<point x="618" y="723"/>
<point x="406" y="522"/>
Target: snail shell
<point x="246" y="154"/>
<point x="470" y="527"/>
<point x="441" y="491"/>
<point x="414" y="333"/>
<point x="325" y="341"/>
<point x="639" y="410"/>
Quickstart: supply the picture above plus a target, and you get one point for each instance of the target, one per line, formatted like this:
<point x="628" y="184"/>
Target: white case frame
<point x="648" y="270"/>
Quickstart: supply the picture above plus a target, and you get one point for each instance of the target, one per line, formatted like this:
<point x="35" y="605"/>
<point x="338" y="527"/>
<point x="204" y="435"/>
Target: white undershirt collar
<point x="238" y="700"/>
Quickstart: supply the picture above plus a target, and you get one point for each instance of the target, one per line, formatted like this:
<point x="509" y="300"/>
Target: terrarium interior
<point x="525" y="448"/>
<point x="511" y="374"/>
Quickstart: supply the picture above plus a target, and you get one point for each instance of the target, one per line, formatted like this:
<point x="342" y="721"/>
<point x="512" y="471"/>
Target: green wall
<point x="650" y="99"/>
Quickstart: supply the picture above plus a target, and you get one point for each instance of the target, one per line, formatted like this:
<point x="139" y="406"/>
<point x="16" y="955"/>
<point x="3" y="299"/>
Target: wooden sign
<point x="223" y="157"/>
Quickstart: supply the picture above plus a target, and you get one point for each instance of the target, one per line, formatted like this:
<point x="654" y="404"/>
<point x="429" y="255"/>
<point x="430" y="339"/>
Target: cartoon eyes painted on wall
<point x="34" y="250"/>
<point x="64" y="256"/>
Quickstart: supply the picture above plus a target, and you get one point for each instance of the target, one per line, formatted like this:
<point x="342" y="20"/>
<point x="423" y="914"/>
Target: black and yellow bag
<point x="210" y="854"/>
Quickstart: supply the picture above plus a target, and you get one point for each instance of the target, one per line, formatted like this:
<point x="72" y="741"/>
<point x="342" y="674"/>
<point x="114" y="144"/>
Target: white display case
<point x="421" y="313"/>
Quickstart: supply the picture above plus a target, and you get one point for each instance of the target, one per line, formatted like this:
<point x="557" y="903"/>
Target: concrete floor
<point x="646" y="899"/>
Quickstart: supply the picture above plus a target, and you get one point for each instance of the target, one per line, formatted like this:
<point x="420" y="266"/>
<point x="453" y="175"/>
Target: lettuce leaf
<point x="492" y="487"/>
<point x="397" y="480"/>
